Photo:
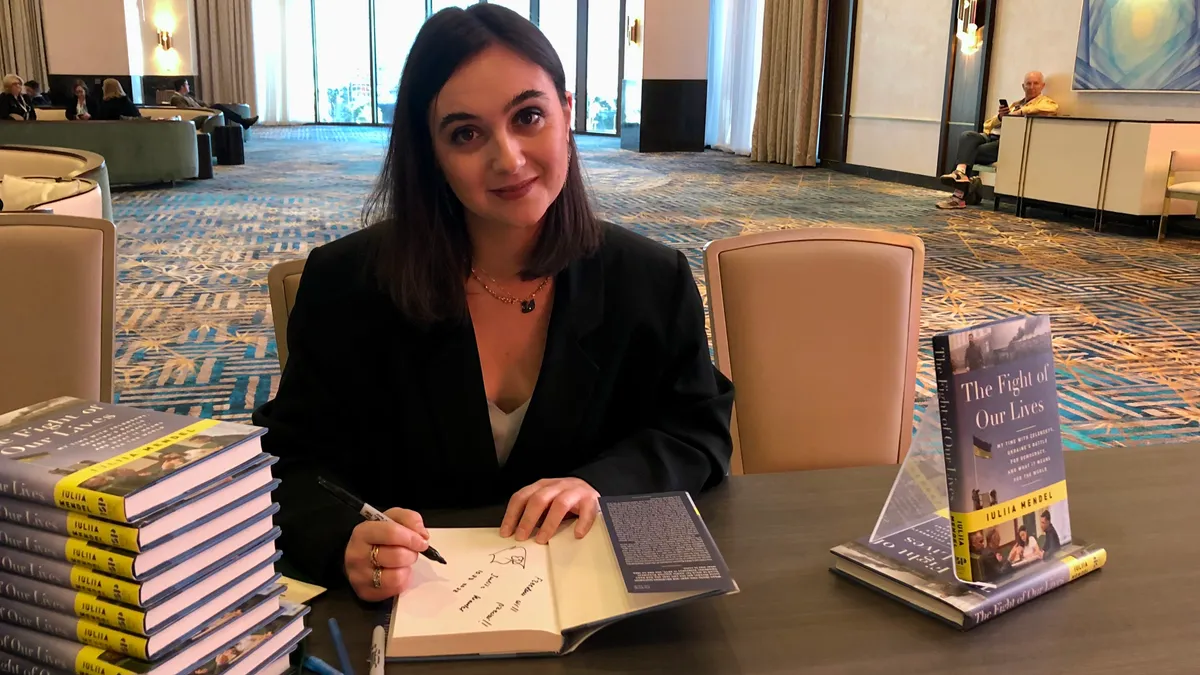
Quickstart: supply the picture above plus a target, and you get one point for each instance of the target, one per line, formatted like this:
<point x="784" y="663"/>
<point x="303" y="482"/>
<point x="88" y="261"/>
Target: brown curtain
<point x="225" y="48"/>
<point x="22" y="44"/>
<point x="789" y="85"/>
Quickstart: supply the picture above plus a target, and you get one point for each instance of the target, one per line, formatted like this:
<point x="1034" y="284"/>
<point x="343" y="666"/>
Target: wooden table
<point x="1137" y="615"/>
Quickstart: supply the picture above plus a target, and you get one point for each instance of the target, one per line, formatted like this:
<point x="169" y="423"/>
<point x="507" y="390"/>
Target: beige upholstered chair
<point x="282" y="283"/>
<point x="818" y="329"/>
<point x="58" y="279"/>
<point x="1182" y="161"/>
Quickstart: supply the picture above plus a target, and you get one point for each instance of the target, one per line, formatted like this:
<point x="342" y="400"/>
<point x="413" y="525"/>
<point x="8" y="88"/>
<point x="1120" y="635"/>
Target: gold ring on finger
<point x="374" y="556"/>
<point x="377" y="577"/>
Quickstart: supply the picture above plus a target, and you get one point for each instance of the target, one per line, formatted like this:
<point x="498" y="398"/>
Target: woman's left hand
<point x="553" y="498"/>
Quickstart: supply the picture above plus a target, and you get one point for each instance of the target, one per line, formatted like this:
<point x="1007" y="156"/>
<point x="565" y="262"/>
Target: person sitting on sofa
<point x="15" y="104"/>
<point x="182" y="99"/>
<point x="116" y="105"/>
<point x="82" y="107"/>
<point x="977" y="148"/>
<point x="34" y="89"/>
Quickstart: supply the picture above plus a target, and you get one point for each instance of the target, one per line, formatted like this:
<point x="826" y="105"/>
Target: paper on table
<point x="300" y="592"/>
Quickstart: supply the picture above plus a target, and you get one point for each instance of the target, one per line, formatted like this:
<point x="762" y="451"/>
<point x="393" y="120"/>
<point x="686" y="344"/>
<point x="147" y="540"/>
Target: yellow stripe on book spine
<point x="90" y="661"/>
<point x="90" y="607"/>
<point x="84" y="579"/>
<point x="70" y="496"/>
<point x="90" y="633"/>
<point x="1091" y="562"/>
<point x="1037" y="500"/>
<point x="110" y="534"/>
<point x="84" y="553"/>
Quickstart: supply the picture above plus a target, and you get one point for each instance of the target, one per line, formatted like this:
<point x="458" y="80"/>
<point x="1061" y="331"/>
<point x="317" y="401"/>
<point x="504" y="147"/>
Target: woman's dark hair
<point x="423" y="253"/>
<point x="1022" y="542"/>
<point x="79" y="83"/>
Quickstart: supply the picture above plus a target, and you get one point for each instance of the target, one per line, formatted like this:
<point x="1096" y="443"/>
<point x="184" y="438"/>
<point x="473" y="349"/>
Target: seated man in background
<point x="977" y="148"/>
<point x="182" y="99"/>
<point x="34" y="90"/>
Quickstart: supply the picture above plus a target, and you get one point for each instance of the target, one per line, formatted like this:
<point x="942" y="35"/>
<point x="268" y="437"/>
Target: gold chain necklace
<point x="527" y="305"/>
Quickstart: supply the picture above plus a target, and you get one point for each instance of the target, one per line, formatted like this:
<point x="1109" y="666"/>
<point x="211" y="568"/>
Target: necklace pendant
<point x="527" y="306"/>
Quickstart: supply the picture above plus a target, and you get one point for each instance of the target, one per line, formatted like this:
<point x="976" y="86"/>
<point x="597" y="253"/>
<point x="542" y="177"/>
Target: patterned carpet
<point x="194" y="324"/>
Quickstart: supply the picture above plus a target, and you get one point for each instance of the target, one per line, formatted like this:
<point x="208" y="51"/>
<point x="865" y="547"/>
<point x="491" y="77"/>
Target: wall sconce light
<point x="164" y="39"/>
<point x="635" y="31"/>
<point x="970" y="35"/>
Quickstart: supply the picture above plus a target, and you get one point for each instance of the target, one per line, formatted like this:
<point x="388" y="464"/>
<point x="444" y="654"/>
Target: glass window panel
<point x="439" y="5"/>
<point x="519" y="6"/>
<point x="603" y="64"/>
<point x="557" y="19"/>
<point x="397" y="23"/>
<point x="343" y="56"/>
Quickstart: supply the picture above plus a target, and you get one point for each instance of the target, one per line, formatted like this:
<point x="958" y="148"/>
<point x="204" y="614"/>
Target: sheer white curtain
<point x="283" y="61"/>
<point x="734" y="57"/>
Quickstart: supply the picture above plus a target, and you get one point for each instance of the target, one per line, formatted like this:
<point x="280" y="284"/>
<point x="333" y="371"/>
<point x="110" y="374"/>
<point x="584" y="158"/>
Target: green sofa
<point x="135" y="152"/>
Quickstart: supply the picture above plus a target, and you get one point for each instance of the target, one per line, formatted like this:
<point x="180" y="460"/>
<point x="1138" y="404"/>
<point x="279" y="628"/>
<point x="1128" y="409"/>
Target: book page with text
<point x="490" y="585"/>
<point x="588" y="586"/>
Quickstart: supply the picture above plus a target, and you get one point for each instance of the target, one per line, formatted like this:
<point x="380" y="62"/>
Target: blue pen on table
<point x="319" y="667"/>
<point x="370" y="513"/>
<point x="343" y="655"/>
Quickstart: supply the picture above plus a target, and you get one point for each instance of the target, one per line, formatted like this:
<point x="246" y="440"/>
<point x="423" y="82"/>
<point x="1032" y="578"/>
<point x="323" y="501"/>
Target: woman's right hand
<point x="398" y="544"/>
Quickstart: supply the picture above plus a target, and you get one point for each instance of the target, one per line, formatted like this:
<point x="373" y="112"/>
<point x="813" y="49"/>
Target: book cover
<point x="154" y="529"/>
<point x="119" y="563"/>
<point x="87" y="632"/>
<point x="285" y="625"/>
<point x="135" y="620"/>
<point x="1005" y="475"/>
<point x="921" y="559"/>
<point x="69" y="656"/>
<point x="662" y="545"/>
<point x="143" y="594"/>
<point x="101" y="459"/>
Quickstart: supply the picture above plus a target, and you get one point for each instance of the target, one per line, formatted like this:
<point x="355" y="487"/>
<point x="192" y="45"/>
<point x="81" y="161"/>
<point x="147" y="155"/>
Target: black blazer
<point x="116" y="108"/>
<point x="10" y="106"/>
<point x="91" y="108"/>
<point x="627" y="397"/>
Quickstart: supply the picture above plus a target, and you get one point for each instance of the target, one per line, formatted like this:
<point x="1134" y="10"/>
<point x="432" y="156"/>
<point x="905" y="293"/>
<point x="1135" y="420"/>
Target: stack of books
<point x="138" y="542"/>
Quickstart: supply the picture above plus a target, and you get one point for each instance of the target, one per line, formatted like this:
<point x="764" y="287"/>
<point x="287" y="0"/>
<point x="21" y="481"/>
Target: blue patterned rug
<point x="194" y="323"/>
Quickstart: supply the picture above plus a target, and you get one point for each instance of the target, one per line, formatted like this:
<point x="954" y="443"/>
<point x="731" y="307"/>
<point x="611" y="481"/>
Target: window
<point x="341" y="33"/>
<point x="359" y="48"/>
<point x="604" y="39"/>
<point x="400" y="21"/>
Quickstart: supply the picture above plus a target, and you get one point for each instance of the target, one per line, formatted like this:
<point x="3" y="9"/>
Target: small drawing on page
<point x="513" y="555"/>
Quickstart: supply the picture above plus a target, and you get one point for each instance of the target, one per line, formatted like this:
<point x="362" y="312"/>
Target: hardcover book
<point x="500" y="597"/>
<point x="150" y="591"/>
<point x="174" y="523"/>
<point x="72" y="657"/>
<point x="176" y="616"/>
<point x="113" y="461"/>
<point x="1006" y="482"/>
<point x="976" y="523"/>
<point x="260" y="646"/>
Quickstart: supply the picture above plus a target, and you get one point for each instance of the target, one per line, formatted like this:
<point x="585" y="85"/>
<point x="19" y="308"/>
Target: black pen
<point x="371" y="513"/>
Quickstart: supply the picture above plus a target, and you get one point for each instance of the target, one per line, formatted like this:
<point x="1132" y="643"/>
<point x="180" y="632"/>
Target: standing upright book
<point x="977" y="521"/>
<point x="114" y="461"/>
<point x="502" y="597"/>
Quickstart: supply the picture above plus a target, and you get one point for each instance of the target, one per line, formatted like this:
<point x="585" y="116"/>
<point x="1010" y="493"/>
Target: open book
<point x="499" y="596"/>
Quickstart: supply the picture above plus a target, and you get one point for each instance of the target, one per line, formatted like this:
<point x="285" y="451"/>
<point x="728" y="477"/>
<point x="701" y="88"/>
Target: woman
<point x="483" y="300"/>
<point x="82" y="108"/>
<point x="1026" y="548"/>
<point x="116" y="105"/>
<point x="15" y="104"/>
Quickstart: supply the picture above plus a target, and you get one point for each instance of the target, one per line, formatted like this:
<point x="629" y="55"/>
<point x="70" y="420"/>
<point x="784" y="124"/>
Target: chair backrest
<point x="818" y="329"/>
<point x="1185" y="160"/>
<point x="282" y="283"/>
<point x="59" y="276"/>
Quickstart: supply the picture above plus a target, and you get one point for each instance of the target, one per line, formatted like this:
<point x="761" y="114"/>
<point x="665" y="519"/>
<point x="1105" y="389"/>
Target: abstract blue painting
<point x="1139" y="45"/>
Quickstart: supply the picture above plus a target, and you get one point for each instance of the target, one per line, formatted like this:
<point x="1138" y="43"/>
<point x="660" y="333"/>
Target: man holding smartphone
<point x="977" y="148"/>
